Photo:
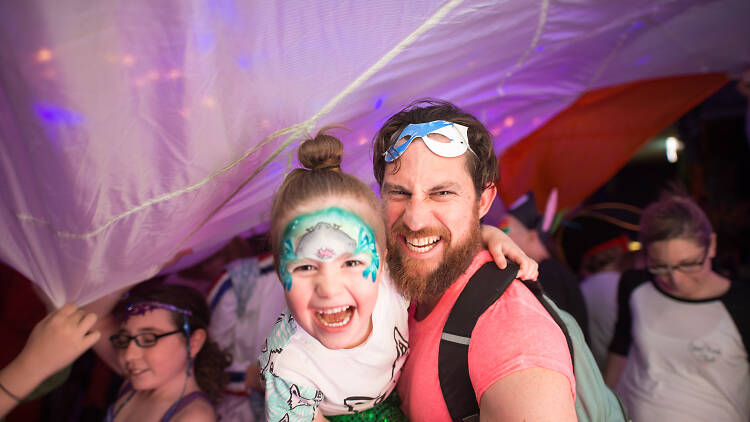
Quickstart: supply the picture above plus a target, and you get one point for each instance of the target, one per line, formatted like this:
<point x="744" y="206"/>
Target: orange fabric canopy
<point x="582" y="147"/>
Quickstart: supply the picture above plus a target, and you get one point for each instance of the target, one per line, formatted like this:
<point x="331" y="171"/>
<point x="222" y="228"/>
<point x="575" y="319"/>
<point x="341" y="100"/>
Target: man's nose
<point x="416" y="214"/>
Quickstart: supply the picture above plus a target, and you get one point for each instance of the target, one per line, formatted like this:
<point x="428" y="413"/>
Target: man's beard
<point x="404" y="271"/>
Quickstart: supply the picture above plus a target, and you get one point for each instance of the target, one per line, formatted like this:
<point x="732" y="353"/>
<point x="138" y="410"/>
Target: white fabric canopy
<point x="126" y="126"/>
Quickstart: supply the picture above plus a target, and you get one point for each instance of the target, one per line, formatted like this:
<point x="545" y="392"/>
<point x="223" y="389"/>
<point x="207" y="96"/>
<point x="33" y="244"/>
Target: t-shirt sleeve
<point x="736" y="301"/>
<point x="622" y="336"/>
<point x="514" y="334"/>
<point x="286" y="400"/>
<point x="290" y="401"/>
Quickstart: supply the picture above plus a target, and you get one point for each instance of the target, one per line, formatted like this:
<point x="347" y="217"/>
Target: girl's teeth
<point x="335" y="317"/>
<point x="334" y="310"/>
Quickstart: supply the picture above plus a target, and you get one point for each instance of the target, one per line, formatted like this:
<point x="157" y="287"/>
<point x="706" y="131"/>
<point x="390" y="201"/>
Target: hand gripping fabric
<point x="595" y="402"/>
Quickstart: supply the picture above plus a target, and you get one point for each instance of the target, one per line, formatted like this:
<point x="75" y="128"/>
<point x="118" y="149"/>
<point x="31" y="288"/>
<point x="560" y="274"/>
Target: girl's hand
<point x="501" y="246"/>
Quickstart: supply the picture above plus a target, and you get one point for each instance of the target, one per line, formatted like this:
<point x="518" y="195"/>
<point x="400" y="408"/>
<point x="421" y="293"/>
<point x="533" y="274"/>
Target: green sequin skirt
<point x="389" y="410"/>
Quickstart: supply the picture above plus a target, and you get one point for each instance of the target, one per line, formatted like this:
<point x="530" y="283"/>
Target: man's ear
<point x="197" y="339"/>
<point x="486" y="198"/>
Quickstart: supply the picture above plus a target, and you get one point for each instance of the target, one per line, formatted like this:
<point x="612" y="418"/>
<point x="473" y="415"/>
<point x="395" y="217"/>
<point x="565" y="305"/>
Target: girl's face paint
<point x="324" y="235"/>
<point x="329" y="265"/>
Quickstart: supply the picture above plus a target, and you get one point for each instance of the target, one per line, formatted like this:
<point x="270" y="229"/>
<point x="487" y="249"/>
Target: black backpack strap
<point x="482" y="290"/>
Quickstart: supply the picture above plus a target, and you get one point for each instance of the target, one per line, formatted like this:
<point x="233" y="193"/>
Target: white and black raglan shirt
<point x="687" y="359"/>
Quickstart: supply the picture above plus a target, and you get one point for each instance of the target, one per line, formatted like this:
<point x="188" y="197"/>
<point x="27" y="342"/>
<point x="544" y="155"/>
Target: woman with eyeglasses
<point x="173" y="371"/>
<point x="680" y="348"/>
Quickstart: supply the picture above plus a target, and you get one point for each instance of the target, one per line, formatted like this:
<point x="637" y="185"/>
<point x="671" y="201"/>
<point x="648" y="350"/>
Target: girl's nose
<point x="327" y="285"/>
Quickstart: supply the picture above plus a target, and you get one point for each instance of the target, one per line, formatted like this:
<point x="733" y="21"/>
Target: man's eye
<point x="442" y="193"/>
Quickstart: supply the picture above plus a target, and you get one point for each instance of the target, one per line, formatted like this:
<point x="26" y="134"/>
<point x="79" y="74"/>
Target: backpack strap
<point x="482" y="290"/>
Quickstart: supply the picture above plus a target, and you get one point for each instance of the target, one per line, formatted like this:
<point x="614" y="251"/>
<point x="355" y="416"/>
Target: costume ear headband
<point x="457" y="134"/>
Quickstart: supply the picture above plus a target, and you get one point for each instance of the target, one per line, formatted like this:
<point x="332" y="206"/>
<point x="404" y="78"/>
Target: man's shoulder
<point x="514" y="334"/>
<point x="518" y="314"/>
<point x="517" y="299"/>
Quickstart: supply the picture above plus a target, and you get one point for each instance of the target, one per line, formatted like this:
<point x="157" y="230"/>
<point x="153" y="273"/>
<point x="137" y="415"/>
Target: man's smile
<point x="421" y="244"/>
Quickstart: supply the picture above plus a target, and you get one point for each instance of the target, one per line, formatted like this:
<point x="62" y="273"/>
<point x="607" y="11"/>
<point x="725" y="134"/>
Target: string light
<point x="672" y="145"/>
<point x="44" y="55"/>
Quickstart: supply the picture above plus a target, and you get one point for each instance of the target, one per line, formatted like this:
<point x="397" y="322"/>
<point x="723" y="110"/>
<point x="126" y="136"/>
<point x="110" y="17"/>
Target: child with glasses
<point x="680" y="348"/>
<point x="338" y="349"/>
<point x="173" y="370"/>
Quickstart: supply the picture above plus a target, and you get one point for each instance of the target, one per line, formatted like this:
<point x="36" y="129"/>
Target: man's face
<point x="432" y="217"/>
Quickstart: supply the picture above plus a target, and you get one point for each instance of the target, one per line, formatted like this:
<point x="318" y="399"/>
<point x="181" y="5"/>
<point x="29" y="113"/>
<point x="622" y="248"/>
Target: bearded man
<point x="436" y="168"/>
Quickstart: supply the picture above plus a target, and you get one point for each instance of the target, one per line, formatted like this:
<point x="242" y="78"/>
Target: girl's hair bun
<point x="321" y="153"/>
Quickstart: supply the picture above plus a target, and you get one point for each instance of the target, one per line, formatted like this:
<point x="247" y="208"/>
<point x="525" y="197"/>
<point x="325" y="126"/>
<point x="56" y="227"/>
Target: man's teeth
<point x="422" y="244"/>
<point x="335" y="317"/>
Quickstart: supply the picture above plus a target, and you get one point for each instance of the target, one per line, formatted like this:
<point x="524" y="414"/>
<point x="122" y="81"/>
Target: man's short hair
<point x="482" y="167"/>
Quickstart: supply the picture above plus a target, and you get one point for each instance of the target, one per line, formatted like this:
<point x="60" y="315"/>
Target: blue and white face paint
<point x="324" y="235"/>
<point x="457" y="144"/>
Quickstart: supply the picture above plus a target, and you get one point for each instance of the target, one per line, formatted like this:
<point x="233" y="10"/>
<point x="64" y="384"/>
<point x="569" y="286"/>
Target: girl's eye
<point x="305" y="267"/>
<point x="353" y="263"/>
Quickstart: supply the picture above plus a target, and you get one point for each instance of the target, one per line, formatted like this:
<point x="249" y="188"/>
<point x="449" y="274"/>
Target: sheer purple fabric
<point x="132" y="130"/>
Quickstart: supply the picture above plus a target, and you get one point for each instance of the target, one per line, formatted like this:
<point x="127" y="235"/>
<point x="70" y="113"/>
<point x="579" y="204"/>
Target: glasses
<point x="685" y="268"/>
<point x="457" y="144"/>
<point x="143" y="340"/>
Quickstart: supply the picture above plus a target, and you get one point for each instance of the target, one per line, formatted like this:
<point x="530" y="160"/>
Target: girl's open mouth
<point x="335" y="317"/>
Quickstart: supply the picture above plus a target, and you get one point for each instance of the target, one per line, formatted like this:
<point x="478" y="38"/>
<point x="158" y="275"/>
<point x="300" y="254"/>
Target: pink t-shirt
<point x="513" y="334"/>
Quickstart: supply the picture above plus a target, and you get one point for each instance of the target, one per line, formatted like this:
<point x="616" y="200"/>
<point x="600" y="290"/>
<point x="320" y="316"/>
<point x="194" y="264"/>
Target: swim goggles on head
<point x="457" y="144"/>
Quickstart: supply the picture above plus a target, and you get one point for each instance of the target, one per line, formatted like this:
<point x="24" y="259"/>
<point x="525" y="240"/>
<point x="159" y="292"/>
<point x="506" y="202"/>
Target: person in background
<point x="595" y="243"/>
<point x="680" y="348"/>
<point x="245" y="303"/>
<point x="525" y="225"/>
<point x="172" y="368"/>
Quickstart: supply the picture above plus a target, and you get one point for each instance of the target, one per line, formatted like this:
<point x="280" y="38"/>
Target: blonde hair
<point x="320" y="179"/>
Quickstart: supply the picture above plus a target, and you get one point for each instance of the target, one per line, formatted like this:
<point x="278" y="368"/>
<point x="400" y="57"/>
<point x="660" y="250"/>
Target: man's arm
<point x="534" y="394"/>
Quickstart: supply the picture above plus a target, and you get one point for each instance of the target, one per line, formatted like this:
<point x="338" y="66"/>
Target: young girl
<point x="339" y="347"/>
<point x="679" y="350"/>
<point x="173" y="370"/>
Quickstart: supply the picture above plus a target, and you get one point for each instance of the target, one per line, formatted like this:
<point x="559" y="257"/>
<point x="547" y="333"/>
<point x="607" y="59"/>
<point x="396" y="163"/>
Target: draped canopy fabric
<point x="132" y="130"/>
